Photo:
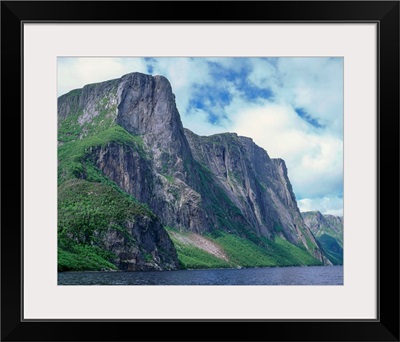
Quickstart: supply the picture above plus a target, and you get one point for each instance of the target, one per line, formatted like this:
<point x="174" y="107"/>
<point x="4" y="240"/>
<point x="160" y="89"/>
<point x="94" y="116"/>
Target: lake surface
<point x="313" y="275"/>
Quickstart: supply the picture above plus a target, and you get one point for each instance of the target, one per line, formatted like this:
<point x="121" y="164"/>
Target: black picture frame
<point x="384" y="13"/>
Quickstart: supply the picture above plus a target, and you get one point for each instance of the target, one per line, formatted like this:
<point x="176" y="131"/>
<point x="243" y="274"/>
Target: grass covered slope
<point x="332" y="249"/>
<point x="100" y="227"/>
<point x="96" y="228"/>
<point x="196" y="251"/>
<point x="236" y="251"/>
<point x="93" y="212"/>
<point x="328" y="230"/>
<point x="86" y="211"/>
<point x="74" y="158"/>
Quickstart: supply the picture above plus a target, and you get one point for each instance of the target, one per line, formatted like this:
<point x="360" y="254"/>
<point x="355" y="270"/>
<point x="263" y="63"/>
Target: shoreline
<point x="199" y="269"/>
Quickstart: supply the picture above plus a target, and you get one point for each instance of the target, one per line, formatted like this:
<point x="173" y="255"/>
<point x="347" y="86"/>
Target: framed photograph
<point x="197" y="163"/>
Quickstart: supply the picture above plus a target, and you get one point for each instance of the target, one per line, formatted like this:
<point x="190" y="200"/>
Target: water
<point x="315" y="275"/>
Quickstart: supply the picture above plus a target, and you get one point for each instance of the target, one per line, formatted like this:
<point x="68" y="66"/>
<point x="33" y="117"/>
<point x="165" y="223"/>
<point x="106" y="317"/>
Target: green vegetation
<point x="83" y="258"/>
<point x="221" y="205"/>
<point x="310" y="244"/>
<point x="294" y="253"/>
<point x="324" y="230"/>
<point x="86" y="211"/>
<point x="246" y="253"/>
<point x="191" y="257"/>
<point x="325" y="224"/>
<point x="242" y="245"/>
<point x="278" y="228"/>
<point x="261" y="185"/>
<point x="241" y="252"/>
<point x="70" y="129"/>
<point x="236" y="176"/>
<point x="332" y="249"/>
<point x="74" y="157"/>
<point x="89" y="203"/>
<point x="85" y="205"/>
<point x="169" y="178"/>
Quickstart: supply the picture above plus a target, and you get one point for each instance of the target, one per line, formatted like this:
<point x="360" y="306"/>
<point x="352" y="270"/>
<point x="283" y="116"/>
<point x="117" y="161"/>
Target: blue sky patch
<point x="219" y="94"/>
<point x="305" y="116"/>
<point x="214" y="95"/>
<point x="219" y="72"/>
<point x="237" y="94"/>
<point x="254" y="93"/>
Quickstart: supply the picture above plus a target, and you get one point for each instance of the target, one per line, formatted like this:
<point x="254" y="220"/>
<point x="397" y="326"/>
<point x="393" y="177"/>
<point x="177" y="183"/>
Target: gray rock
<point x="324" y="224"/>
<point x="148" y="248"/>
<point x="328" y="230"/>
<point x="190" y="182"/>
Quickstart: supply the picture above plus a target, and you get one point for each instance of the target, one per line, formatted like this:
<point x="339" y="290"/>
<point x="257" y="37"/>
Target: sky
<point x="292" y="107"/>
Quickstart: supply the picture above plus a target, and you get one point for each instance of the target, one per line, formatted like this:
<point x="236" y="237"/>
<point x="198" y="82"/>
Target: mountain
<point x="137" y="191"/>
<point x="328" y="229"/>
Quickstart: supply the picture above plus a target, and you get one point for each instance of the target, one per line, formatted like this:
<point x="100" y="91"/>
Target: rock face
<point x="106" y="222"/>
<point x="324" y="224"/>
<point x="255" y="184"/>
<point x="328" y="229"/>
<point x="152" y="249"/>
<point x="194" y="183"/>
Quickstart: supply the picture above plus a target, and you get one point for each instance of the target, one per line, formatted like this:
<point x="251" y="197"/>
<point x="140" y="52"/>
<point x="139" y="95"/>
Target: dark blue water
<point x="315" y="275"/>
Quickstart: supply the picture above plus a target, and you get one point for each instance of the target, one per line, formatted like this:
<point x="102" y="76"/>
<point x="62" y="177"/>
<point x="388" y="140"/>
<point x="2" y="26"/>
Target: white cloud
<point x="314" y="159"/>
<point x="313" y="155"/>
<point x="183" y="74"/>
<point x="199" y="123"/>
<point x="326" y="205"/>
<point x="264" y="74"/>
<point x="312" y="84"/>
<point x="73" y="72"/>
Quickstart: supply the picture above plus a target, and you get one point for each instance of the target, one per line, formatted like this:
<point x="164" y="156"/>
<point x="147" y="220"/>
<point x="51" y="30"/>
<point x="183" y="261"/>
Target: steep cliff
<point x="324" y="224"/>
<point x="128" y="132"/>
<point x="111" y="228"/>
<point x="255" y="184"/>
<point x="328" y="229"/>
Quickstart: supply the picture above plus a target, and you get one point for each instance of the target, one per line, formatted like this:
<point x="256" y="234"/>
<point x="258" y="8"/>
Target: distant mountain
<point x="328" y="229"/>
<point x="137" y="191"/>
